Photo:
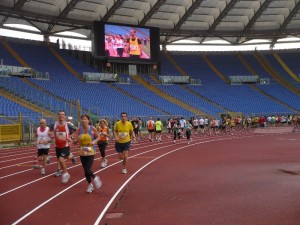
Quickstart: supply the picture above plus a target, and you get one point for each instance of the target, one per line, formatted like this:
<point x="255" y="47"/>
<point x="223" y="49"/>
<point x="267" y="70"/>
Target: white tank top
<point x="42" y="136"/>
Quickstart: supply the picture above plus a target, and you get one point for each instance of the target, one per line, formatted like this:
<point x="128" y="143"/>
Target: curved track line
<point x="23" y="171"/>
<point x="83" y="179"/>
<point x="31" y="182"/>
<point x="133" y="175"/>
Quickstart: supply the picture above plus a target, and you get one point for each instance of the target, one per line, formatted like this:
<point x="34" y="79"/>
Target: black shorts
<point x="121" y="147"/>
<point x="63" y="152"/>
<point x="43" y="151"/>
<point x="151" y="131"/>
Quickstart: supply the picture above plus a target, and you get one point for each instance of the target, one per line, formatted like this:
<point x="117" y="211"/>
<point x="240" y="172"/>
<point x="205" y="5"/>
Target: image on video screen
<point x="127" y="42"/>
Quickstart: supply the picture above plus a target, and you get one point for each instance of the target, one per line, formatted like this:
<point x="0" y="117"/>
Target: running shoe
<point x="65" y="177"/>
<point x="174" y="142"/>
<point x="124" y="171"/>
<point x="43" y="171"/>
<point x="58" y="173"/>
<point x="48" y="159"/>
<point x="90" y="188"/>
<point x="104" y="163"/>
<point x="36" y="167"/>
<point x="98" y="182"/>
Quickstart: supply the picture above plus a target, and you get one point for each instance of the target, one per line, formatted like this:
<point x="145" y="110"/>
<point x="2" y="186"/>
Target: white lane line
<point x="44" y="203"/>
<point x="58" y="194"/>
<point x="18" y="164"/>
<point x="23" y="171"/>
<point x="10" y="155"/>
<point x="136" y="147"/>
<point x="133" y="175"/>
<point x="14" y="159"/>
<point x="36" y="180"/>
<point x="24" y="185"/>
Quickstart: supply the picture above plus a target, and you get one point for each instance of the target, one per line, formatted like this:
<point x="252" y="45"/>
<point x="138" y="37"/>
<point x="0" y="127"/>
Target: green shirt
<point x="158" y="125"/>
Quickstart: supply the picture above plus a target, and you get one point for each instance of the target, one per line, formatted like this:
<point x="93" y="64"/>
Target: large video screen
<point x="125" y="42"/>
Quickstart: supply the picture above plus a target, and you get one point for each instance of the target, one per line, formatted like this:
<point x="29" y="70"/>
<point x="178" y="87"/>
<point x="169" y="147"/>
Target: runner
<point x="87" y="136"/>
<point x="150" y="127"/>
<point x="177" y="130"/>
<point x="102" y="143"/>
<point x="61" y="131"/>
<point x="188" y="131"/>
<point x="123" y="131"/>
<point x="135" y="124"/>
<point x="42" y="140"/>
<point x="158" y="129"/>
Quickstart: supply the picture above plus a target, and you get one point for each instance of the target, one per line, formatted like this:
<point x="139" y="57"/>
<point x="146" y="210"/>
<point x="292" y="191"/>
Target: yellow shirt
<point x="84" y="141"/>
<point x="123" y="131"/>
<point x="134" y="47"/>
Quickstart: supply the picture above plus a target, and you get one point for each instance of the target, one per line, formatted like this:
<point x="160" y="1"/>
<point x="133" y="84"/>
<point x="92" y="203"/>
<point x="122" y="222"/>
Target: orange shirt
<point x="103" y="138"/>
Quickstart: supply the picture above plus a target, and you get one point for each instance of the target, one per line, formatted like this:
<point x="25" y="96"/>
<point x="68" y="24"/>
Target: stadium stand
<point x="102" y="99"/>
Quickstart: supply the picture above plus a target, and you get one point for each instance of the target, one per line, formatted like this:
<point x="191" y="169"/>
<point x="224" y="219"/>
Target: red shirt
<point x="61" y="135"/>
<point x="261" y="120"/>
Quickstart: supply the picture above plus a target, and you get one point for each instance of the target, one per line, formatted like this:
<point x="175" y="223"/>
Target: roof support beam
<point x="152" y="10"/>
<point x="64" y="30"/>
<point x="70" y="6"/>
<point x="259" y="12"/>
<point x="35" y="17"/>
<point x="167" y="35"/>
<point x="32" y="24"/>
<point x="17" y="7"/>
<point x="225" y="33"/>
<point x="286" y="22"/>
<point x="112" y="10"/>
<point x="187" y="14"/>
<point x="228" y="7"/>
<point x="224" y="13"/>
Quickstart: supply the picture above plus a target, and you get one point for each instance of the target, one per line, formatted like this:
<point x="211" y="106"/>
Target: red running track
<point x="239" y="178"/>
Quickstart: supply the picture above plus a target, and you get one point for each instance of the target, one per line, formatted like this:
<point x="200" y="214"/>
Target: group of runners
<point x="63" y="133"/>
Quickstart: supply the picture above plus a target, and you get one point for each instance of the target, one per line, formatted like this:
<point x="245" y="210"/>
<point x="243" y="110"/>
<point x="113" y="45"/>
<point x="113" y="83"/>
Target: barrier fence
<point x="10" y="132"/>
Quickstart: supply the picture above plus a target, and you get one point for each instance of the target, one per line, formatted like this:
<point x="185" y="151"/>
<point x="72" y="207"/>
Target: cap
<point x="70" y="118"/>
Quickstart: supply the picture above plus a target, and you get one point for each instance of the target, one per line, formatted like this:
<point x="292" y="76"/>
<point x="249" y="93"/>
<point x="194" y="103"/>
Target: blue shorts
<point x="63" y="152"/>
<point x="121" y="147"/>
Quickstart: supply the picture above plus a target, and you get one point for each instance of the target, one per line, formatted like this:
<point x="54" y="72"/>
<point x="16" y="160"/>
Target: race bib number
<point x="122" y="135"/>
<point x="61" y="135"/>
<point x="86" y="150"/>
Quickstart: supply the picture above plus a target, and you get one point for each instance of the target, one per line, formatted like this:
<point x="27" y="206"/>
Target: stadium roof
<point x="236" y="21"/>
